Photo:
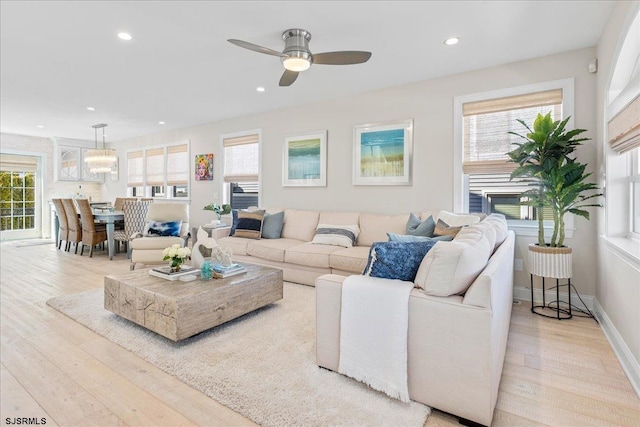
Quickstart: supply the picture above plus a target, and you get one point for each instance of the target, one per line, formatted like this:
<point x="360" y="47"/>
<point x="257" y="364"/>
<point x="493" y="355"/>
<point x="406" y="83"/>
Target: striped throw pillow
<point x="336" y="235"/>
<point x="249" y="224"/>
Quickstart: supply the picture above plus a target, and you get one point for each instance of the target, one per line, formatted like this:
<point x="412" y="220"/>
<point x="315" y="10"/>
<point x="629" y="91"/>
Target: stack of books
<point x="222" y="272"/>
<point x="165" y="272"/>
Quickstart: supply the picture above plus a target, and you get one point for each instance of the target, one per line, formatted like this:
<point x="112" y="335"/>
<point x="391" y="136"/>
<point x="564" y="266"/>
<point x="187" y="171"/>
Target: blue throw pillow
<point x="415" y="227"/>
<point x="396" y="260"/>
<point x="393" y="237"/>
<point x="158" y="228"/>
<point x="272" y="225"/>
<point x="234" y="222"/>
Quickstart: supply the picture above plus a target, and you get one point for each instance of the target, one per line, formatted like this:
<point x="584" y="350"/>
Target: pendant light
<point x="100" y="160"/>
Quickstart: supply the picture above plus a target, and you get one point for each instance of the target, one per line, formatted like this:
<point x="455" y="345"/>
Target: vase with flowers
<point x="177" y="255"/>
<point x="218" y="209"/>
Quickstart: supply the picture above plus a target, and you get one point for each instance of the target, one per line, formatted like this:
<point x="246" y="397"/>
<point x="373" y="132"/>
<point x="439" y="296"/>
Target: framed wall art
<point x="204" y="167"/>
<point x="382" y="153"/>
<point x="305" y="160"/>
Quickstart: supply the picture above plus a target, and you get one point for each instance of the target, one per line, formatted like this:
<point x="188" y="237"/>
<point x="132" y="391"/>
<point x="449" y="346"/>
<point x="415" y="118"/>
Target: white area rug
<point x="261" y="365"/>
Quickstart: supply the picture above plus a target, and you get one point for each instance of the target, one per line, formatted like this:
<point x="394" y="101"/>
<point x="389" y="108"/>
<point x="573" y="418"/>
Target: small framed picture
<point x="382" y="153"/>
<point x="305" y="160"/>
<point x="204" y="167"/>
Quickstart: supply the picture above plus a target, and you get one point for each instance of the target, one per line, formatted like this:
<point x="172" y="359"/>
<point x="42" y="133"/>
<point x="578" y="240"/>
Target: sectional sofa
<point x="459" y="311"/>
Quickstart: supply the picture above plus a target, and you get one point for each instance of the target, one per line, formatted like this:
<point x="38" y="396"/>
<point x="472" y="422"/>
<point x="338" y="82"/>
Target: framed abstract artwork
<point x="382" y="153"/>
<point x="204" y="167"/>
<point x="305" y="160"/>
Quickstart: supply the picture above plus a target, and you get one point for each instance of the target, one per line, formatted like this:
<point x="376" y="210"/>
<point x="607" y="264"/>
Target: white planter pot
<point x="551" y="262"/>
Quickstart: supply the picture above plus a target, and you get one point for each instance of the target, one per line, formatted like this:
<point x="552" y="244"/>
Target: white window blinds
<point x="15" y="163"/>
<point x="178" y="165"/>
<point x="155" y="166"/>
<point x="135" y="173"/>
<point x="487" y="122"/>
<point x="624" y="128"/>
<point x="241" y="159"/>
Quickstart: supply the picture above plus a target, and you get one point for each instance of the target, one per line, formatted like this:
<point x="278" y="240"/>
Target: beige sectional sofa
<point x="456" y="339"/>
<point x="303" y="262"/>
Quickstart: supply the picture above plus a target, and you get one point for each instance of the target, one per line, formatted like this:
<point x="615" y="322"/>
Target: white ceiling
<point x="57" y="58"/>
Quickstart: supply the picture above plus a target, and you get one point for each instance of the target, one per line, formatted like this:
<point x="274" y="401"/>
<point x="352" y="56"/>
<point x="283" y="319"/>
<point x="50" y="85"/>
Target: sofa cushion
<point x="237" y="244"/>
<point x="340" y="218"/>
<point x="499" y="223"/>
<point x="271" y="249"/>
<point x="444" y="229"/>
<point x="450" y="267"/>
<point x="396" y="260"/>
<point x="393" y="237"/>
<point x="350" y="259"/>
<point x="487" y="228"/>
<point x="416" y="227"/>
<point x="455" y="219"/>
<point x="374" y="228"/>
<point x="249" y="224"/>
<point x="300" y="225"/>
<point x="336" y="235"/>
<point x="310" y="255"/>
<point x="272" y="225"/>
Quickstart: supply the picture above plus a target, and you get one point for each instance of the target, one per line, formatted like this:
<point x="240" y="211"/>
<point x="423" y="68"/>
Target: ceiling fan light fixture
<point x="293" y="63"/>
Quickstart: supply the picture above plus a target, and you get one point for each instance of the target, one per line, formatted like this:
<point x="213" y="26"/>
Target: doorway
<point x="20" y="197"/>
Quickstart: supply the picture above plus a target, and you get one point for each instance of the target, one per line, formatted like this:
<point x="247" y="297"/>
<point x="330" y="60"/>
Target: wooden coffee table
<point x="178" y="310"/>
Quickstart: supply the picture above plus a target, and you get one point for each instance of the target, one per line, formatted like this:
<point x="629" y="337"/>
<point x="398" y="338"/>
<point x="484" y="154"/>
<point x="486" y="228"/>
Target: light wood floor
<point x="556" y="373"/>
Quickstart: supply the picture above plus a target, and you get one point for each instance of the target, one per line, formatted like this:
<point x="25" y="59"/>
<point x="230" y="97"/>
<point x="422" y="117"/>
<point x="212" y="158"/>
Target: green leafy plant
<point x="545" y="160"/>
<point x="218" y="209"/>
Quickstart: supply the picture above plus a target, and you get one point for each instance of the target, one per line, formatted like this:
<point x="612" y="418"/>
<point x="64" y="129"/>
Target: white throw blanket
<point x="373" y="333"/>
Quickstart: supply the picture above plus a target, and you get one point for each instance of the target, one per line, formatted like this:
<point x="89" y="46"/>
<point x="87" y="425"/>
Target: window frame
<point x="224" y="189"/>
<point x="167" y="190"/>
<point x="461" y="180"/>
<point x="634" y="179"/>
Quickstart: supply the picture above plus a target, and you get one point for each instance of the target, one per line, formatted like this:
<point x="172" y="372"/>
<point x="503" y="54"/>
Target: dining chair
<point x="92" y="233"/>
<point x="63" y="228"/>
<point x="134" y="221"/>
<point x="73" y="223"/>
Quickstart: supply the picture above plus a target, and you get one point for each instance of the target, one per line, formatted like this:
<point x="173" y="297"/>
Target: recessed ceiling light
<point x="124" y="36"/>
<point x="40" y="127"/>
<point x="260" y="89"/>
<point x="161" y="123"/>
<point x="451" y="41"/>
<point x="91" y="109"/>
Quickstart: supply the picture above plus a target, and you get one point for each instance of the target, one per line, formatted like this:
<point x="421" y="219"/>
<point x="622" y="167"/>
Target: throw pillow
<point x="396" y="260"/>
<point x="415" y="227"/>
<point x="159" y="228"/>
<point x="234" y="222"/>
<point x="249" y="224"/>
<point x="393" y="237"/>
<point x="455" y="220"/>
<point x="272" y="225"/>
<point x="336" y="235"/>
<point x="443" y="229"/>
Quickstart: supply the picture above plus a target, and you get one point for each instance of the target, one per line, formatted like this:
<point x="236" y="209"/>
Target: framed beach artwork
<point x="305" y="160"/>
<point x="382" y="153"/>
<point x="204" y="167"/>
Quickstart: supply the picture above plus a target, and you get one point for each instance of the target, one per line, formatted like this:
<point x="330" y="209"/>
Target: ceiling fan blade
<point x="288" y="77"/>
<point x="256" y="48"/>
<point x="346" y="57"/>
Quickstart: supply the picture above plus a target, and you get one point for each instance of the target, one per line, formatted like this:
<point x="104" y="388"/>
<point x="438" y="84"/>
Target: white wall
<point x="430" y="104"/>
<point x="618" y="285"/>
<point x="52" y="189"/>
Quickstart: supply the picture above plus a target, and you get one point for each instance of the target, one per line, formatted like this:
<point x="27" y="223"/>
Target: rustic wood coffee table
<point x="178" y="310"/>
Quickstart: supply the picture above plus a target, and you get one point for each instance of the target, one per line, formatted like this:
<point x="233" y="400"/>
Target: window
<point x="18" y="191"/>
<point x="160" y="172"/>
<point x="482" y="122"/>
<point x="242" y="170"/>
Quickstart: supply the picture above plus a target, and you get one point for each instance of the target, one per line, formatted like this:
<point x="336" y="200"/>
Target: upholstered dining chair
<point x="135" y="212"/>
<point x="92" y="233"/>
<point x="63" y="228"/>
<point x="73" y="224"/>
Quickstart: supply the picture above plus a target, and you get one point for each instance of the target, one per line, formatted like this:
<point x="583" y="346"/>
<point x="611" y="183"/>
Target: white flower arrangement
<point x="177" y="254"/>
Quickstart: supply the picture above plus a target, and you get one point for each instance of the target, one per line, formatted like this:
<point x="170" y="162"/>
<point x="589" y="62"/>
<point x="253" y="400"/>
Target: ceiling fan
<point x="297" y="57"/>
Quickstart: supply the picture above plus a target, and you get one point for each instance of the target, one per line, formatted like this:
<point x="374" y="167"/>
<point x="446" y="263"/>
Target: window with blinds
<point x="159" y="172"/>
<point x="486" y="142"/>
<point x="241" y="159"/>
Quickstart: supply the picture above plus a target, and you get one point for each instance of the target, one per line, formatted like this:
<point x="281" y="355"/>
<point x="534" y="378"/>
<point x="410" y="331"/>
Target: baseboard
<point x="524" y="294"/>
<point x="629" y="364"/>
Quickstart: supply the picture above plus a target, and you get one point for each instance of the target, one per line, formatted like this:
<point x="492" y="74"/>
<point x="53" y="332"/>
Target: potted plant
<point x="218" y="209"/>
<point x="546" y="161"/>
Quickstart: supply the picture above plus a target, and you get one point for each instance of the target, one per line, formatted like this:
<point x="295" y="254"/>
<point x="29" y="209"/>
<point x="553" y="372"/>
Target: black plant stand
<point x="560" y="312"/>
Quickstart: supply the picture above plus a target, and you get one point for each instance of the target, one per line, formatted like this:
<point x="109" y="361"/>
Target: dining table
<point x="105" y="216"/>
